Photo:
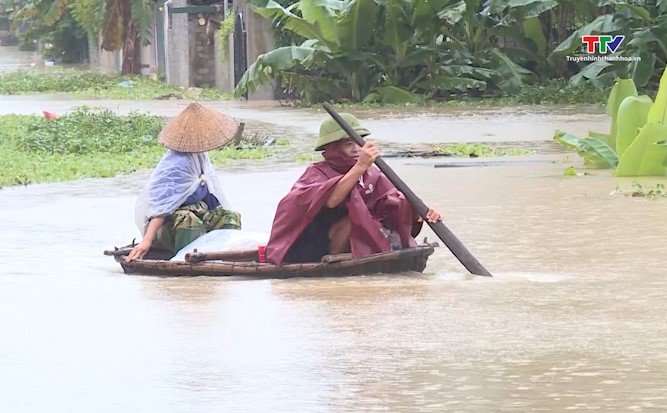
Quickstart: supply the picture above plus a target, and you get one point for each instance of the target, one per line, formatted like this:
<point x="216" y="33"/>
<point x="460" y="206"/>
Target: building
<point x="186" y="47"/>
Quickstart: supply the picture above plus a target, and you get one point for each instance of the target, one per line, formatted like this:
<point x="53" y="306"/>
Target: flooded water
<point x="11" y="58"/>
<point x="573" y="320"/>
<point x="406" y="125"/>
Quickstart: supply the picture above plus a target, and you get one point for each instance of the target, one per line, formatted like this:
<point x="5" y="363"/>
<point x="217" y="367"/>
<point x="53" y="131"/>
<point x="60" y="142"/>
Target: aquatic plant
<point x="90" y="143"/>
<point x="571" y="171"/>
<point x="637" y="142"/>
<point x="638" y="190"/>
<point x="98" y="85"/>
<point x="475" y="151"/>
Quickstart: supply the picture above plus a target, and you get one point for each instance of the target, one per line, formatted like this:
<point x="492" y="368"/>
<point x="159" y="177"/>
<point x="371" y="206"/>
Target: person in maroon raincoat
<point x="342" y="204"/>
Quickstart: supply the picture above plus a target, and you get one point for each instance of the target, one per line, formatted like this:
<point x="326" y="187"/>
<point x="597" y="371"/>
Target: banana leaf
<point x="602" y="24"/>
<point x="518" y="10"/>
<point x="632" y="115"/>
<point x="356" y="23"/>
<point x="591" y="71"/>
<point x="604" y="137"/>
<point x="641" y="71"/>
<point x="513" y="75"/>
<point x="636" y="10"/>
<point x="532" y="28"/>
<point x="453" y="13"/>
<point x="394" y="95"/>
<point x="424" y="10"/>
<point x="596" y="153"/>
<point x="269" y="9"/>
<point x="658" y="111"/>
<point x="622" y="89"/>
<point x="396" y="33"/>
<point x="647" y="154"/>
<point x="276" y="60"/>
<point x="320" y="14"/>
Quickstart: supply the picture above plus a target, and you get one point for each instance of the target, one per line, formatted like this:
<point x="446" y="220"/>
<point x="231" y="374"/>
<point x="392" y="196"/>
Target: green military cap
<point x="330" y="130"/>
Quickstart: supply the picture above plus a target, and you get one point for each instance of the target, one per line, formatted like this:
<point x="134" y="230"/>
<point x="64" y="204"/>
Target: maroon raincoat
<point x="372" y="204"/>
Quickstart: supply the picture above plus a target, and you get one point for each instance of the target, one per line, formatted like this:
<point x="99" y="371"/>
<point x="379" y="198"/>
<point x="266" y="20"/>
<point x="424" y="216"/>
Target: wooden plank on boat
<point x="337" y="257"/>
<point x="238" y="255"/>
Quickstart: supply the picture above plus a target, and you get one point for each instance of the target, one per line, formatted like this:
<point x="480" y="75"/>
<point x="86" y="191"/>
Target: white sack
<point x="220" y="240"/>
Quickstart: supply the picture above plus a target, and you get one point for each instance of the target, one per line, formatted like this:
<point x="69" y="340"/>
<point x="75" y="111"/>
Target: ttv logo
<point x="606" y="42"/>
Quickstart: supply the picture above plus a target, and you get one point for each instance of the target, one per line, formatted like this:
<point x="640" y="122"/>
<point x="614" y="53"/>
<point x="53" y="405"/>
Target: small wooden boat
<point x="246" y="263"/>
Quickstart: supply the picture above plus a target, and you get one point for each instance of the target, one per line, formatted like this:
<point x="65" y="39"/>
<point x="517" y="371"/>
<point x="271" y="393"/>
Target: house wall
<point x="224" y="65"/>
<point x="178" y="47"/>
<point x="202" y="55"/>
<point x="260" y="41"/>
<point x="101" y="59"/>
<point x="145" y="58"/>
<point x="189" y="58"/>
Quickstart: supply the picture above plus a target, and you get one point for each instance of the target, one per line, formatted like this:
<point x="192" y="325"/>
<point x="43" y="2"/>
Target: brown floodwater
<point x="441" y="125"/>
<point x="573" y="320"/>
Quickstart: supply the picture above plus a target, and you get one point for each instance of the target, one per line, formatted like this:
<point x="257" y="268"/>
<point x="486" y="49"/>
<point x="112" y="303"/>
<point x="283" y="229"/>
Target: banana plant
<point x="398" y="50"/>
<point x="647" y="153"/>
<point x="632" y="115"/>
<point x="596" y="153"/>
<point x="471" y="27"/>
<point x="121" y="23"/>
<point x="638" y="133"/>
<point x="335" y="33"/>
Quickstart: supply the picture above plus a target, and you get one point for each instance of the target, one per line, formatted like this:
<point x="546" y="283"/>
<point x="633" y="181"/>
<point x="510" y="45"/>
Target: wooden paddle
<point x="450" y="240"/>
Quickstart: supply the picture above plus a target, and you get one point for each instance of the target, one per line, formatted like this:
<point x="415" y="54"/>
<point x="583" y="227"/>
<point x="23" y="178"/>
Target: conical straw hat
<point x="198" y="129"/>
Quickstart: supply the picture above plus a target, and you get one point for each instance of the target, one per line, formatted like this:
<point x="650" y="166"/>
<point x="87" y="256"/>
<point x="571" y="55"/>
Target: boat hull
<point x="400" y="261"/>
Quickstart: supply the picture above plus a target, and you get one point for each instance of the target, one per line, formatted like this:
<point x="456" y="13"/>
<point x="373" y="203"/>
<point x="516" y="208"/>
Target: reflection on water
<point x="574" y="319"/>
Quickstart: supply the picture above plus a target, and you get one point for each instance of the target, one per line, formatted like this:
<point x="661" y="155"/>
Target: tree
<point x="122" y="24"/>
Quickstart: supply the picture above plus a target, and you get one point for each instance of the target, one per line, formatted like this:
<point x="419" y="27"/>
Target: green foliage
<point x="639" y="133"/>
<point x="632" y="115"/>
<point x="596" y="153"/>
<point x="50" y="22"/>
<point x="84" y="131"/>
<point x="70" y="44"/>
<point x="90" y="143"/>
<point x="554" y="91"/>
<point x="622" y="89"/>
<point x="94" y="84"/>
<point x="638" y="190"/>
<point x="121" y="24"/>
<point x="226" y="29"/>
<point x="571" y="171"/>
<point x="474" y="151"/>
<point x="647" y="154"/>
<point x="89" y="14"/>
<point x="398" y="51"/>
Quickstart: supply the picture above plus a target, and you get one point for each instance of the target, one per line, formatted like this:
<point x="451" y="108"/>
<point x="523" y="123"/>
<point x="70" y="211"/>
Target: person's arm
<point x="367" y="156"/>
<point x="344" y="186"/>
<point x="139" y="251"/>
<point x="151" y="230"/>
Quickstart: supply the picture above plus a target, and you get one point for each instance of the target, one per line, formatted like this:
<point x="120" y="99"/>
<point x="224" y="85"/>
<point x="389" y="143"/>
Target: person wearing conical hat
<point x="183" y="198"/>
<point x="342" y="204"/>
